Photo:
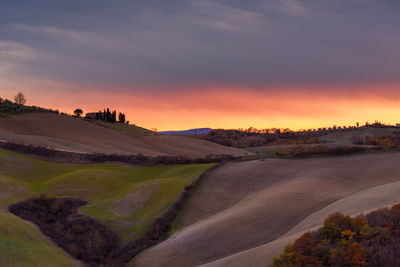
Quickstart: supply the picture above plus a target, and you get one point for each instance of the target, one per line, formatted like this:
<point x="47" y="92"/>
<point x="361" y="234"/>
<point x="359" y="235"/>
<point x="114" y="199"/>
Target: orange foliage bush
<point x="370" y="240"/>
<point x="355" y="256"/>
<point x="392" y="141"/>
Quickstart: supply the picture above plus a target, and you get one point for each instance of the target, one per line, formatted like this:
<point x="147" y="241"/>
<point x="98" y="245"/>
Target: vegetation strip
<point x="9" y="108"/>
<point x="89" y="240"/>
<point x="320" y="150"/>
<point x="138" y="159"/>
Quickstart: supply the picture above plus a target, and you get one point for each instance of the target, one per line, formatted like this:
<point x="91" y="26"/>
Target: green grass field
<point x="126" y="198"/>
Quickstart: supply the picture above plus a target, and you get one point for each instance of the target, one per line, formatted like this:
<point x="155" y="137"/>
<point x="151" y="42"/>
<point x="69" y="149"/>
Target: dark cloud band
<point x="177" y="44"/>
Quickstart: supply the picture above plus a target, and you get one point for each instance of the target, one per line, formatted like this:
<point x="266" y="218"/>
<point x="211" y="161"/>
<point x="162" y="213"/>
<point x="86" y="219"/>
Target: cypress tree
<point x="108" y="115"/>
<point x="114" y="116"/>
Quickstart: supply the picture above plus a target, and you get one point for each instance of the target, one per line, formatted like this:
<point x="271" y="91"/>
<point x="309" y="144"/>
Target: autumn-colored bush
<point x="370" y="240"/>
<point x="253" y="137"/>
<point x="390" y="141"/>
<point x="239" y="138"/>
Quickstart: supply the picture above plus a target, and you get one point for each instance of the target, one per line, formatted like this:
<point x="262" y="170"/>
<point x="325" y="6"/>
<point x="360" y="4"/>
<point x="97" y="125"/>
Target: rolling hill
<point x="125" y="198"/>
<point x="79" y="135"/>
<point x="245" y="213"/>
<point x="242" y="214"/>
<point x="334" y="140"/>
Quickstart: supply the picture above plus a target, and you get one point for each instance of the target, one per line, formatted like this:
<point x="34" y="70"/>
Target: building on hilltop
<point x="91" y="115"/>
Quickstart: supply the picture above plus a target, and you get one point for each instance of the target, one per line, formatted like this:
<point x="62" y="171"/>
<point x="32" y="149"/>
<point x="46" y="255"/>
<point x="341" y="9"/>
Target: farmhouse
<point x="91" y="115"/>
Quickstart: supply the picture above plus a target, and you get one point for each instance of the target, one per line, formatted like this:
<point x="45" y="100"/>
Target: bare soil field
<point x="77" y="135"/>
<point x="360" y="202"/>
<point x="245" y="213"/>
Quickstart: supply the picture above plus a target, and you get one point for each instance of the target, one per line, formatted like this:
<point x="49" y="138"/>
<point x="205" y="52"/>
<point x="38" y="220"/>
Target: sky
<point x="207" y="63"/>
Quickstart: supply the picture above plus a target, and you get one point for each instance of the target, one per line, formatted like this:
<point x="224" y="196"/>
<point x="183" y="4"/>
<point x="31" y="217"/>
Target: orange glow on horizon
<point x="294" y="108"/>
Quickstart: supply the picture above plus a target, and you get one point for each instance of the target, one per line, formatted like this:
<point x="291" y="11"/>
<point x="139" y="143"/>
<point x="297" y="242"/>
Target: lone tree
<point x="20" y="98"/>
<point x="78" y="112"/>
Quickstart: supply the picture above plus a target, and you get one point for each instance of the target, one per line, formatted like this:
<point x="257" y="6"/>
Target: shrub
<point x="371" y="240"/>
<point x="253" y="137"/>
<point x="384" y="142"/>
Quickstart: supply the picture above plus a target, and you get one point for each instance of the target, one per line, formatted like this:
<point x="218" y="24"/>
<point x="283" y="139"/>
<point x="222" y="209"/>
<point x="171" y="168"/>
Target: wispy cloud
<point x="293" y="7"/>
<point x="12" y="56"/>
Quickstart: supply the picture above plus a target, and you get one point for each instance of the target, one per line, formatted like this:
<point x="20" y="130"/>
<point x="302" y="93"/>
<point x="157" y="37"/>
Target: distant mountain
<point x="196" y="131"/>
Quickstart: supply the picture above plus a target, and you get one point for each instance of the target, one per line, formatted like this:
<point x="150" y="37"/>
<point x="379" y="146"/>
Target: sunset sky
<point x="207" y="63"/>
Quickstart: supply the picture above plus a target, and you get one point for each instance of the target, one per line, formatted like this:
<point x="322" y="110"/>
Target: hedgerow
<point x="138" y="159"/>
<point x="318" y="150"/>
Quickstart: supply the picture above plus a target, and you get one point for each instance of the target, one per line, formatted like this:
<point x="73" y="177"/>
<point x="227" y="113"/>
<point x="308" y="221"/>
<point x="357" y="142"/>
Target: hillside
<point x="333" y="140"/>
<point x="195" y="132"/>
<point x="79" y="135"/>
<point x="127" y="199"/>
<point x="347" y="138"/>
<point x="245" y="213"/>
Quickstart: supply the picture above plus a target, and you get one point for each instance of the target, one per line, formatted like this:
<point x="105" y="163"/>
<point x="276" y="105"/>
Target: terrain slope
<point x="334" y="140"/>
<point x="244" y="213"/>
<point x="126" y="198"/>
<point x="78" y="135"/>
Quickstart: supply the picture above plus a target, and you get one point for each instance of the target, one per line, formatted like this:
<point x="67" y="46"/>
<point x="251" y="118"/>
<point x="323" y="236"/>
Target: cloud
<point x="12" y="55"/>
<point x="293" y="7"/>
<point x="180" y="45"/>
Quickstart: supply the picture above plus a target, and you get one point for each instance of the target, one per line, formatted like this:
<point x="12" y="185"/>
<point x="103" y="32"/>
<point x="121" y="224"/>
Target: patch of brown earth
<point x="134" y="200"/>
